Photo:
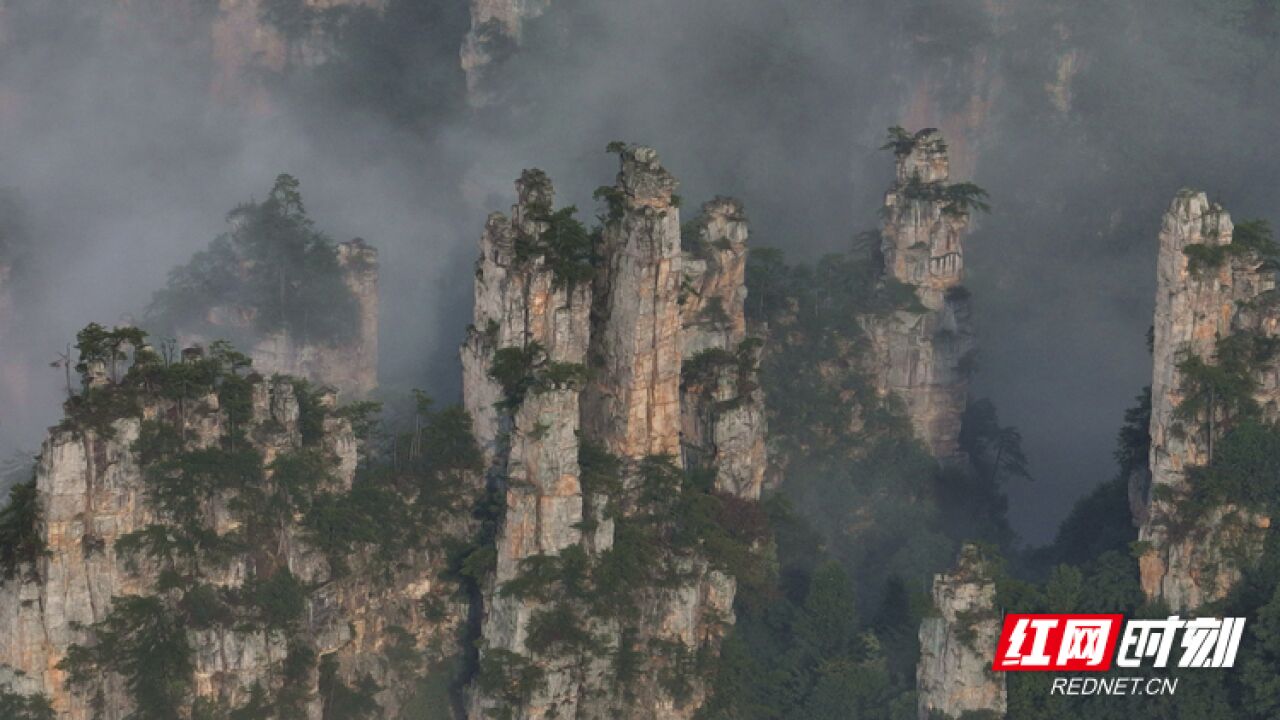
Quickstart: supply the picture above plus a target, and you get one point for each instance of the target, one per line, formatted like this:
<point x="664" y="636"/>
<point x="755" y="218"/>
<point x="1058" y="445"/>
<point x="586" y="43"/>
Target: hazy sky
<point x="126" y="163"/>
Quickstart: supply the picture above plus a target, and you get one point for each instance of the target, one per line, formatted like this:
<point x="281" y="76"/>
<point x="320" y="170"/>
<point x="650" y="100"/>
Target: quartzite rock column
<point x="533" y="447"/>
<point x="956" y="645"/>
<point x="723" y="405"/>
<point x="632" y="405"/>
<point x="1186" y="566"/>
<point x="921" y="352"/>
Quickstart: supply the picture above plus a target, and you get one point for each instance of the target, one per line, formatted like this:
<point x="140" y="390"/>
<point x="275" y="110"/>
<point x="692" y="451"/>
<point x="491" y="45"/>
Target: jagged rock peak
<point x="1189" y="560"/>
<point x="643" y="178"/>
<point x="956" y="645"/>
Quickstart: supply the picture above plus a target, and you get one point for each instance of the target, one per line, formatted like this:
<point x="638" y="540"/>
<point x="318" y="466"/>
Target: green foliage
<point x="1133" y="443"/>
<point x="615" y="201"/>
<point x="558" y="631"/>
<point x="24" y="707"/>
<point x="804" y="655"/>
<point x="564" y="245"/>
<point x="509" y="676"/>
<point x="21" y="542"/>
<point x="900" y="141"/>
<point x="1250" y="240"/>
<point x="1245" y="469"/>
<point x="273" y="262"/>
<point x="141" y="641"/>
<point x="362" y="415"/>
<point x="956" y="198"/>
<point x="994" y="448"/>
<point x="343" y="702"/>
<point x="311" y="412"/>
<point x="513" y="368"/>
<point x="370" y="515"/>
<point x="279" y="599"/>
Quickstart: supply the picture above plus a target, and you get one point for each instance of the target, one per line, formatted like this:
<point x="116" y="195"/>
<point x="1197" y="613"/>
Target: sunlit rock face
<point x="640" y="320"/>
<point x="632" y="406"/>
<point x="957" y="644"/>
<point x="93" y="490"/>
<point x="497" y="28"/>
<point x="921" y="353"/>
<point x="521" y="307"/>
<point x="1189" y="561"/>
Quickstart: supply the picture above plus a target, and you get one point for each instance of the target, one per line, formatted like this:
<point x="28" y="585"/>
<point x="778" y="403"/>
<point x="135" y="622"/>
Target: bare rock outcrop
<point x="632" y="405"/>
<point x="1191" y="558"/>
<point x="921" y="350"/>
<point x="954" y="675"/>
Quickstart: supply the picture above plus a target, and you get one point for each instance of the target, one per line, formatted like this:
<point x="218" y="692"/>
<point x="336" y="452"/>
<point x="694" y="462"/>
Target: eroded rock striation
<point x="954" y="674"/>
<point x="595" y="444"/>
<point x="921" y="351"/>
<point x="1214" y="309"/>
<point x="526" y="315"/>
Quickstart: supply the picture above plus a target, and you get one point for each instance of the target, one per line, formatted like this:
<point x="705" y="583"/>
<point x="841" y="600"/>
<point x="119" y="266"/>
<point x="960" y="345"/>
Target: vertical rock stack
<point x="956" y="645"/>
<point x="723" y="407"/>
<point x="1190" y="561"/>
<point x="641" y="328"/>
<point x="632" y="406"/>
<point x="523" y="311"/>
<point x="920" y="352"/>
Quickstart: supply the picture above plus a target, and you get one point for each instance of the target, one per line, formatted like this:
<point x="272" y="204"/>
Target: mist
<point x="125" y="161"/>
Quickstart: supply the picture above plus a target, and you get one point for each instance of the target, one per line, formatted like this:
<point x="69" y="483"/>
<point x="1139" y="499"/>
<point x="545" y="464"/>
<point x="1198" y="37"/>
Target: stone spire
<point x="635" y="340"/>
<point x="921" y="352"/>
<point x="532" y="448"/>
<point x="632" y="406"/>
<point x="1186" y="566"/>
<point x="957" y="644"/>
<point x="723" y="421"/>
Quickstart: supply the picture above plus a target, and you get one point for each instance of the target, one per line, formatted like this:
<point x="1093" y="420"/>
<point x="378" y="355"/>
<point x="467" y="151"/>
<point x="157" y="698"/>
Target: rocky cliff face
<point x="123" y="528"/>
<point x="564" y="635"/>
<point x="723" y="422"/>
<point x="496" y="30"/>
<point x="524" y="312"/>
<point x="1192" y="558"/>
<point x="920" y="352"/>
<point x="954" y="675"/>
